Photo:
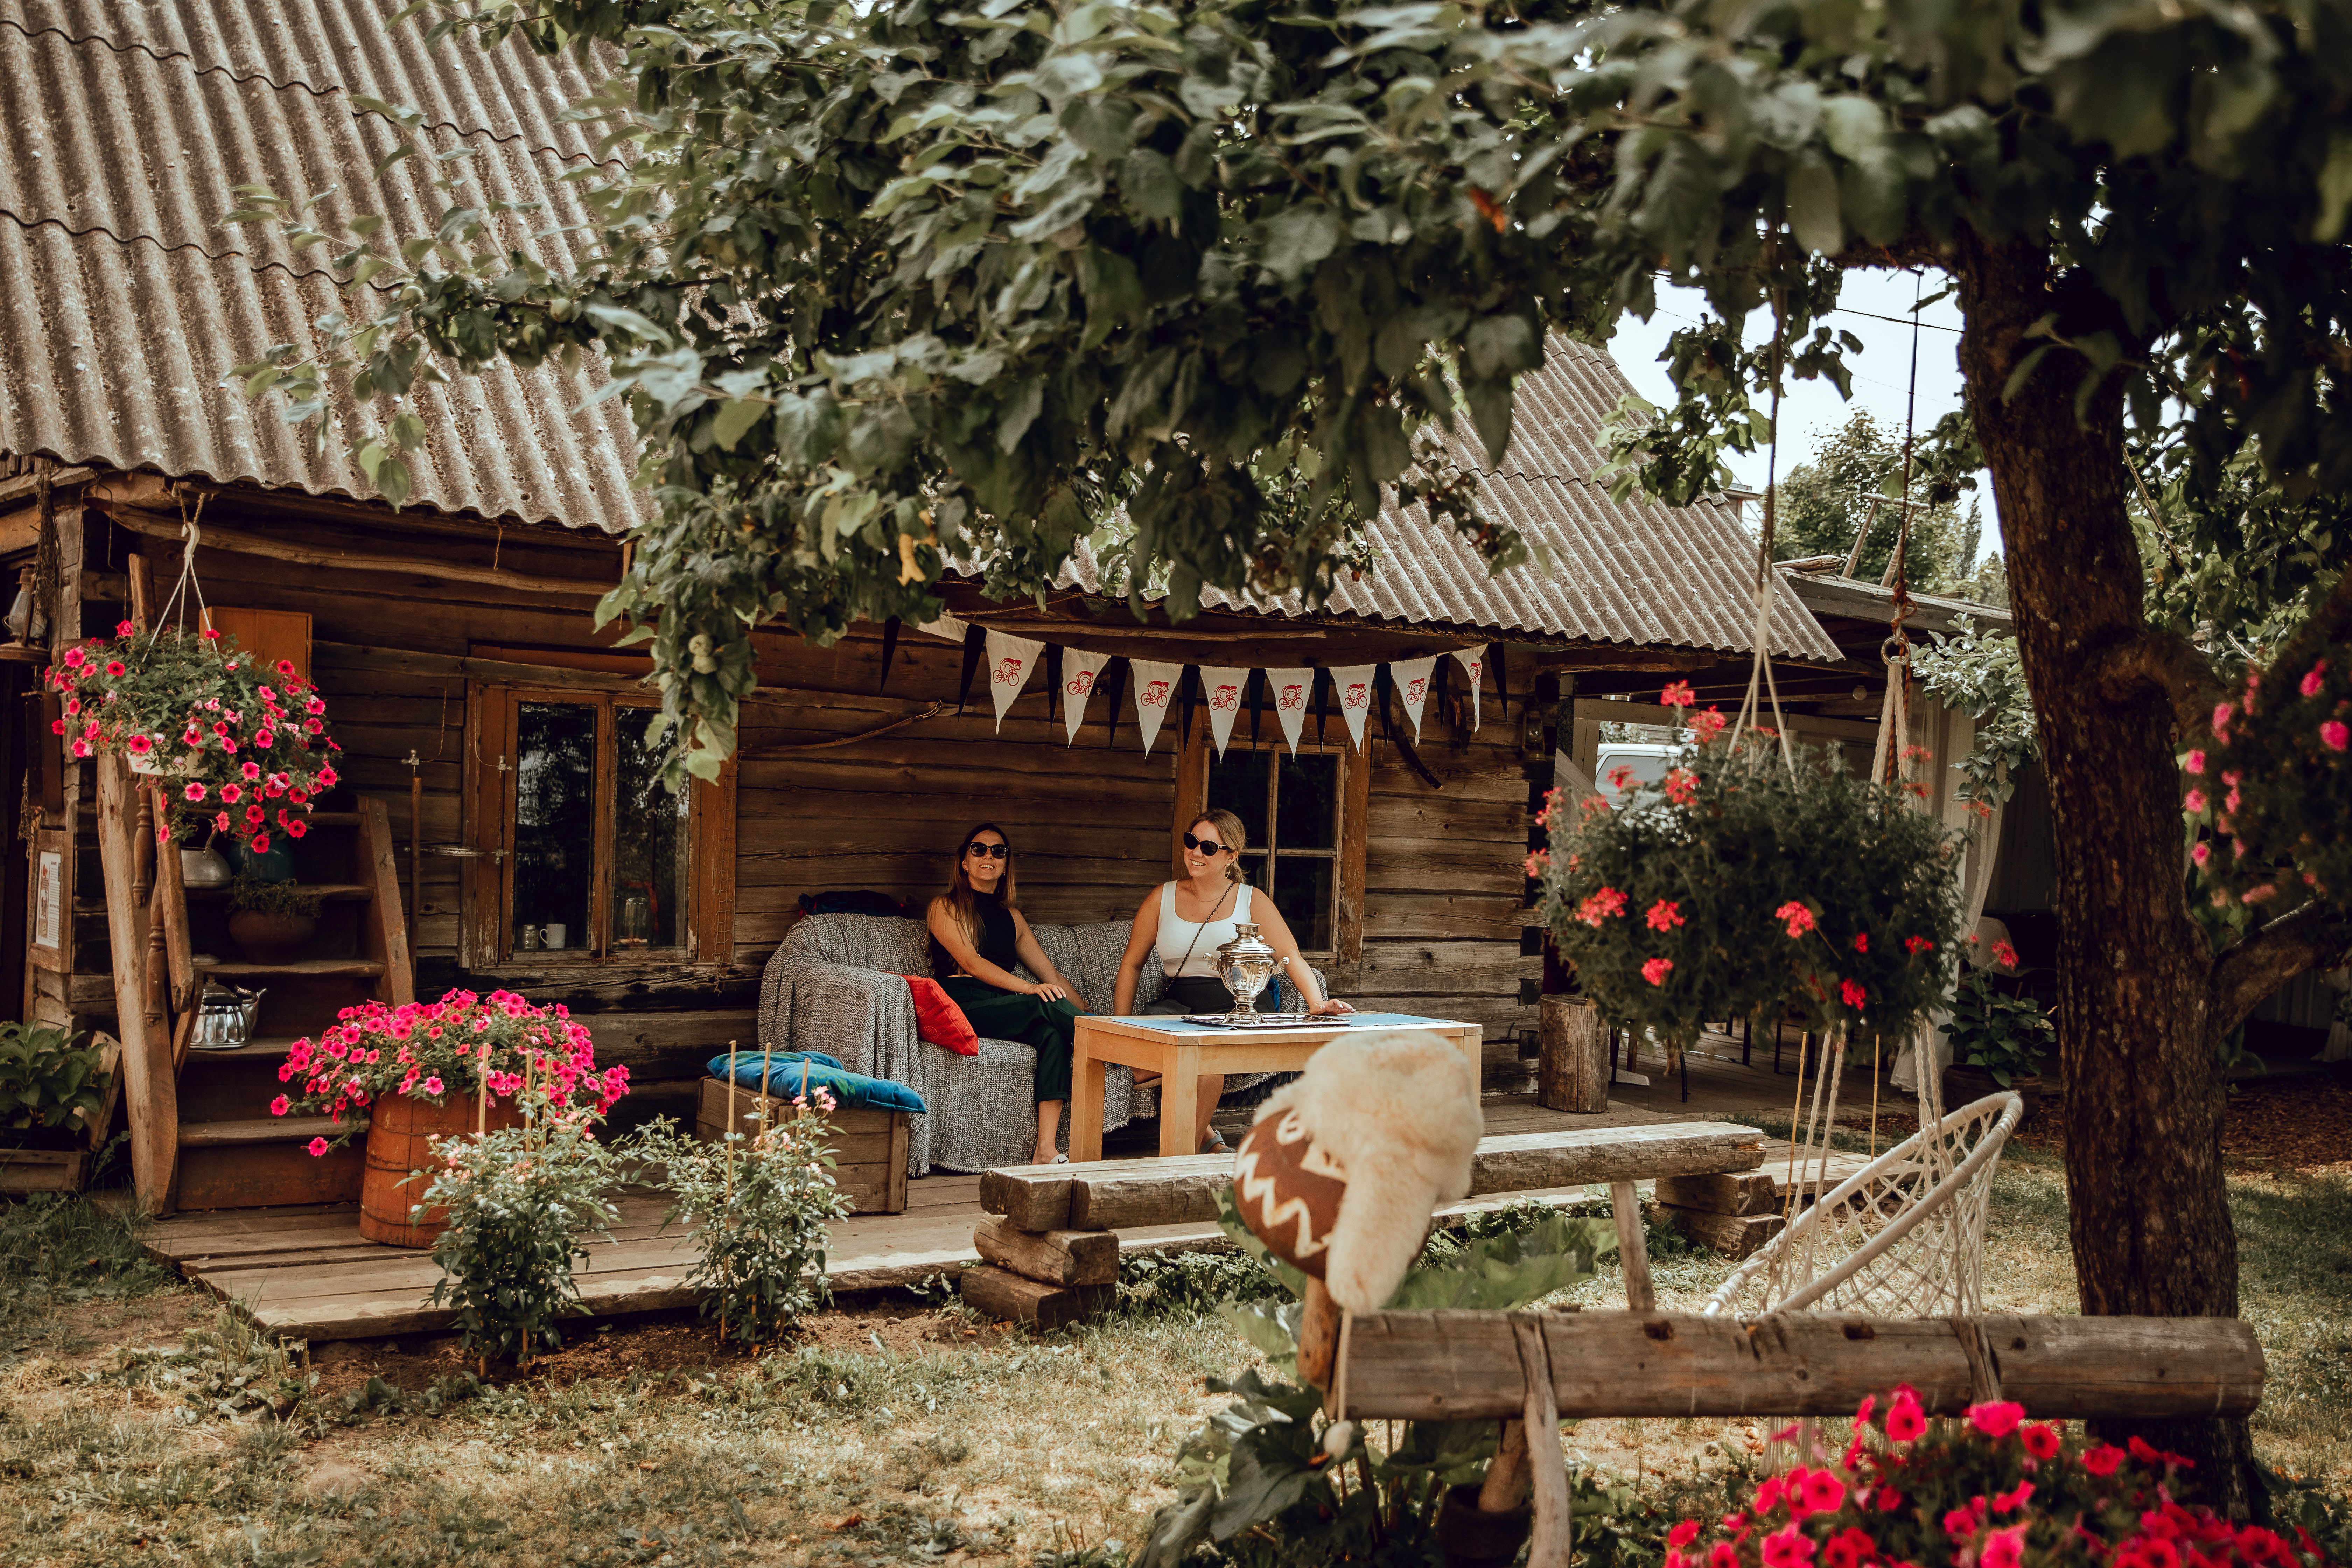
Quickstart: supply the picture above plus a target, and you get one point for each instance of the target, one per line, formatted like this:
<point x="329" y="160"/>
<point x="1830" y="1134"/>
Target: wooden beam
<point x="24" y="485"/>
<point x="442" y="665"/>
<point x="156" y="525"/>
<point x="1455" y="1366"/>
<point x="148" y="1078"/>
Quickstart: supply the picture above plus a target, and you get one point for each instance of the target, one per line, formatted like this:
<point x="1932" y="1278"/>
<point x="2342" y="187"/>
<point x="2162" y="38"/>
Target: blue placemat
<point x="1355" y="1021"/>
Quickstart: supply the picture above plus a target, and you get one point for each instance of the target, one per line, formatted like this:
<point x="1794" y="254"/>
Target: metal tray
<point x="1270" y="1020"/>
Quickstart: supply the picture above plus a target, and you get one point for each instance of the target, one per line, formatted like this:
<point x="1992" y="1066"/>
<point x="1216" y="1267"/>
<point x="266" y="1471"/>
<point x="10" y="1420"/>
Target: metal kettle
<point x="224" y="1017"/>
<point x="1245" y="964"/>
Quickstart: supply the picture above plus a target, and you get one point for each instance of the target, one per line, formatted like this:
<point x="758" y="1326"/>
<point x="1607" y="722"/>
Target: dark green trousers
<point x="1050" y="1028"/>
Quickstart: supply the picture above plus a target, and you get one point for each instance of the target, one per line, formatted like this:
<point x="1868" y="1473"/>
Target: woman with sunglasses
<point x="977" y="936"/>
<point x="1186" y="921"/>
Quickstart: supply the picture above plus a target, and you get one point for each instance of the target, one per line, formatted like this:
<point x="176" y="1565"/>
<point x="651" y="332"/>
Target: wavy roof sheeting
<point x="123" y="303"/>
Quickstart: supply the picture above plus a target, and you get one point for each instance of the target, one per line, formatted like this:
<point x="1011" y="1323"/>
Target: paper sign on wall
<point x="1222" y="689"/>
<point x="1411" y="676"/>
<point x="1155" y="692"/>
<point x="1354" y="683"/>
<point x="48" y="897"/>
<point x="1010" y="660"/>
<point x="1293" y="692"/>
<point x="1080" y="669"/>
<point x="1473" y="661"/>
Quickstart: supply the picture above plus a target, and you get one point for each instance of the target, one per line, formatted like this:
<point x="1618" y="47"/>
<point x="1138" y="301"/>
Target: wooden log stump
<point x="1001" y="1293"/>
<point x="1050" y="1258"/>
<point x="1733" y="1192"/>
<point x="1737" y="1237"/>
<point x="1572" y="1069"/>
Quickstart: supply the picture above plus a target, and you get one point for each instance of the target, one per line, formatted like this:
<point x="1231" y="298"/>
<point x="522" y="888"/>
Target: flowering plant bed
<point x="2276" y="785"/>
<point x="464" y="1046"/>
<point x="1744" y="887"/>
<point x="244" y="745"/>
<point x="1993" y="1491"/>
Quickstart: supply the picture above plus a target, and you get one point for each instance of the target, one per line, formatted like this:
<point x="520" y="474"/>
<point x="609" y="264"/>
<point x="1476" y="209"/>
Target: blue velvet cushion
<point x="785" y="1074"/>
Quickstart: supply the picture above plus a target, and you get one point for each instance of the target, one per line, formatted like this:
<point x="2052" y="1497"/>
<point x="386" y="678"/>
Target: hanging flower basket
<point x="247" y="744"/>
<point x="2275" y="784"/>
<point x="1743" y="887"/>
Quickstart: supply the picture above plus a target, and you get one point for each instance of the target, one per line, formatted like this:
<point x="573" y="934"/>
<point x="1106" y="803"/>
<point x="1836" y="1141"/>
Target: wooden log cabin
<point x="501" y="826"/>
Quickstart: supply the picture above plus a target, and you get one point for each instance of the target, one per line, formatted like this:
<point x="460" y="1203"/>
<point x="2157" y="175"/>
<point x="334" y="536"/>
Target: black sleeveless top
<point x="997" y="942"/>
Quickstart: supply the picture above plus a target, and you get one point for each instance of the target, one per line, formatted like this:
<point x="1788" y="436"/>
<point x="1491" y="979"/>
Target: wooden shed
<point x="499" y="826"/>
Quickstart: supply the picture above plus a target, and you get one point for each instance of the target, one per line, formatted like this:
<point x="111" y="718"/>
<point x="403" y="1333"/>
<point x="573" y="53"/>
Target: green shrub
<point x="49" y="1080"/>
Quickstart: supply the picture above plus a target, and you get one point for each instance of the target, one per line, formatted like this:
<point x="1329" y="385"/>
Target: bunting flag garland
<point x="947" y="626"/>
<point x="1010" y="660"/>
<point x="1473" y="664"/>
<point x="1080" y="670"/>
<point x="1353" y="683"/>
<point x="1292" y="688"/>
<point x="973" y="639"/>
<point x="1411" y="676"/>
<point x="1222" y="689"/>
<point x="1155" y="685"/>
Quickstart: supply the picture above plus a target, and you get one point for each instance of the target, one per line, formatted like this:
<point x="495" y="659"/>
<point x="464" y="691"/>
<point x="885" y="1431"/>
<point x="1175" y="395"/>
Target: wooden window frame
<point x="1355" y="799"/>
<point x="487" y="922"/>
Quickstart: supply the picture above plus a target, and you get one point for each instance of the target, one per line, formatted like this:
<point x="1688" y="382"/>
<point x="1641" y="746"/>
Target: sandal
<point x="1215" y="1143"/>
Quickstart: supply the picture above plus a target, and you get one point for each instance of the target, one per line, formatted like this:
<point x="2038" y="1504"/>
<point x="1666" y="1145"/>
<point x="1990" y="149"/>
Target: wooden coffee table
<point x="1183" y="1054"/>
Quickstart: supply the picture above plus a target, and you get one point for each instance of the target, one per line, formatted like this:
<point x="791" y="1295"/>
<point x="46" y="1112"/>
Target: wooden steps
<point x="298" y="969"/>
<point x="263" y="1130"/>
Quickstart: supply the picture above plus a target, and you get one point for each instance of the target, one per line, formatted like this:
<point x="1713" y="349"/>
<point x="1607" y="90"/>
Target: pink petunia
<point x="1657" y="970"/>
<point x="2196" y="762"/>
<point x="2041" y="1440"/>
<point x="318" y="1147"/>
<point x="125" y="628"/>
<point x="1861" y="941"/>
<point x="2311" y="682"/>
<point x="1821" y="1491"/>
<point x="2334" y="735"/>
<point x="1905" y="1421"/>
<point x="1678" y="695"/>
<point x="1665" y="915"/>
<point x="432" y="1084"/>
<point x="1996" y="1418"/>
<point x="140" y="745"/>
<point x="2201" y="852"/>
<point x="261" y="844"/>
<point x="1915" y="945"/>
<point x="2017" y="1497"/>
<point x="1854" y="996"/>
<point x="2004" y="955"/>
<point x="1800" y="917"/>
<point x="2004" y="1547"/>
<point x="194" y="792"/>
<point x="1789" y="1547"/>
<point x="2193" y="802"/>
<point x="115" y="667"/>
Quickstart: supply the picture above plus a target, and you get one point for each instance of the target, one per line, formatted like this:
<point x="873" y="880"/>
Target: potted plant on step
<point x="242" y="745"/>
<point x="53" y="1092"/>
<point x="423" y="1071"/>
<point x="271" y="921"/>
<point x="1997" y="1042"/>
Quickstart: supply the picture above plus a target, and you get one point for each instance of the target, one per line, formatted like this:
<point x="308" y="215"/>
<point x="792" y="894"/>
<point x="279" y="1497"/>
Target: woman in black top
<point x="977" y="936"/>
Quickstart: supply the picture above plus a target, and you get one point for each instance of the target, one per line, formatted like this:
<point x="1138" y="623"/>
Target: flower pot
<point x="399" y="1141"/>
<point x="271" y="938"/>
<point x="1964" y="1086"/>
<point x="1471" y="1538"/>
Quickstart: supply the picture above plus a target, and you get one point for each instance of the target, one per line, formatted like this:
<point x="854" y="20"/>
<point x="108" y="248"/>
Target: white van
<point x="1645" y="764"/>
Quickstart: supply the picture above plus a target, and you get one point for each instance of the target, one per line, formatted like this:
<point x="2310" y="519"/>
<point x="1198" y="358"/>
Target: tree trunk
<point x="2146" y="1203"/>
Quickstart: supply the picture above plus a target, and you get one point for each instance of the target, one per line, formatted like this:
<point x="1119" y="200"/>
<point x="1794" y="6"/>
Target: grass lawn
<point x="137" y="1423"/>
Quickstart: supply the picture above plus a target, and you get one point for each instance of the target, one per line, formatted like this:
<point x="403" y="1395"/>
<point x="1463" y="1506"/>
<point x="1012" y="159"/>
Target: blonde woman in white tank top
<point x="1184" y="923"/>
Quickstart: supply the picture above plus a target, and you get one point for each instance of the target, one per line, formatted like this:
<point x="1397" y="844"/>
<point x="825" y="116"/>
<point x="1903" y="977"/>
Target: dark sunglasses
<point x="989" y="851"/>
<point x="1205" y="845"/>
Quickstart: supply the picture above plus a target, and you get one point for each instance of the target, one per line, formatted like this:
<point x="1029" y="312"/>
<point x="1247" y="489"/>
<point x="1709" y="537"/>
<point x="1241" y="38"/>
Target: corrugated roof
<point x="123" y="303"/>
<point x="1631" y="572"/>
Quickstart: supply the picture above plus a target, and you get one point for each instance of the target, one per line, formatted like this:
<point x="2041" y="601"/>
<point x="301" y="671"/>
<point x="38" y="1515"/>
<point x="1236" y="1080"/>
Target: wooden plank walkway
<point x="307" y="1273"/>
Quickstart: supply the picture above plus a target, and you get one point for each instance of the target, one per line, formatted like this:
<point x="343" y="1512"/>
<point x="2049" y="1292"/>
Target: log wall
<point x="1092" y="823"/>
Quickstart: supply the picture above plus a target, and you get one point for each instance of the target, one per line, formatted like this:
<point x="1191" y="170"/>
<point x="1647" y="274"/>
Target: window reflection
<point x="649" y="859"/>
<point x="555" y="824"/>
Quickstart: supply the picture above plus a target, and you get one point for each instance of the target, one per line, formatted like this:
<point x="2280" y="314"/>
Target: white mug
<point x="551" y="936"/>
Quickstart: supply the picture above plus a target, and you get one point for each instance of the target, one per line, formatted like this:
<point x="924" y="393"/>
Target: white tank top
<point x="1202" y="938"/>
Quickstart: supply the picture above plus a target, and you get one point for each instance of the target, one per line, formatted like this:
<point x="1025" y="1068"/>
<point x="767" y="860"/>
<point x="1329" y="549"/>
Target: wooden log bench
<point x="1032" y="1272"/>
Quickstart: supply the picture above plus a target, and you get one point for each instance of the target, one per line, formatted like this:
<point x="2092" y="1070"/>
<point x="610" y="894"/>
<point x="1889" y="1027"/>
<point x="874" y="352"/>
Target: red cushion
<point x="938" y="1020"/>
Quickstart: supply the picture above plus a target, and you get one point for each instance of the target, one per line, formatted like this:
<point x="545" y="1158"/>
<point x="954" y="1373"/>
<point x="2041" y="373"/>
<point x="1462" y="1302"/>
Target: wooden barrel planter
<point x="399" y="1141"/>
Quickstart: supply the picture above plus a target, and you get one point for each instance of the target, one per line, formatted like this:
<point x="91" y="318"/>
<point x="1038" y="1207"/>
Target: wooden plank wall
<point x="1092" y="823"/>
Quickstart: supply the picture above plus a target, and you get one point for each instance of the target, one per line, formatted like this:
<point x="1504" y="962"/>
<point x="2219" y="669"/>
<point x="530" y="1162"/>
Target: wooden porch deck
<point x="305" y="1272"/>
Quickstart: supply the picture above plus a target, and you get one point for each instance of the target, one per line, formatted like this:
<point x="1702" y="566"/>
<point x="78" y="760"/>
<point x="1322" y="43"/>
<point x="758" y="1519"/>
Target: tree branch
<point x="2312" y="936"/>
<point x="2168" y="661"/>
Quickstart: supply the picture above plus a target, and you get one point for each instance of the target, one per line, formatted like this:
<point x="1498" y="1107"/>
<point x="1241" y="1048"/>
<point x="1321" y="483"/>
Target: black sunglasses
<point x="989" y="851"/>
<point x="1205" y="845"/>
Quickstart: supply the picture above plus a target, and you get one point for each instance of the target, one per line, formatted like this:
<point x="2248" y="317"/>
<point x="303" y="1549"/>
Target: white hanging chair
<point x="1902" y="1237"/>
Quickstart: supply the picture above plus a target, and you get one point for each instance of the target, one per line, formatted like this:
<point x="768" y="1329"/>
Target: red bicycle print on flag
<point x="1416" y="690"/>
<point x="1008" y="671"/>
<point x="1081" y="683"/>
<point x="1155" y="694"/>
<point x="1358" y="694"/>
<point x="1293" y="698"/>
<point x="1225" y="699"/>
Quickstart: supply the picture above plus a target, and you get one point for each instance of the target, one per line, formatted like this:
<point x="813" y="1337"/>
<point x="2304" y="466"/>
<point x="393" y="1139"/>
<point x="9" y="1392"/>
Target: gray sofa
<point x="834" y="986"/>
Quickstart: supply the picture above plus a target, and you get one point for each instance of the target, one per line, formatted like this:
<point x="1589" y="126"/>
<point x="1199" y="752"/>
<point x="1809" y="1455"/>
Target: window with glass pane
<point x="649" y="852"/>
<point x="555" y="824"/>
<point x="1290" y="806"/>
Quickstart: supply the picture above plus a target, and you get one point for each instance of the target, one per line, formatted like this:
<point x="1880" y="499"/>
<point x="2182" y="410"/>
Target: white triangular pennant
<point x="1078" y="671"/>
<point x="1294" y="692"/>
<point x="1010" y="660"/>
<point x="1411" y="676"/>
<point x="1222" y="689"/>
<point x="1155" y="692"/>
<point x="945" y="626"/>
<point x="1474" y="669"/>
<point x="1354" y="684"/>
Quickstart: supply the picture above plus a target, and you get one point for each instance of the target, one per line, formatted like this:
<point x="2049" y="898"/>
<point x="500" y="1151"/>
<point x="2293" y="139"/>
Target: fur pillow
<point x="1397" y="1110"/>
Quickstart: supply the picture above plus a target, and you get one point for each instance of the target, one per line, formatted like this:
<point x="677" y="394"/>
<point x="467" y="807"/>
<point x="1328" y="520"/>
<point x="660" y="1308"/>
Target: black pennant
<point x="1257" y="681"/>
<point x="975" y="643"/>
<point x="1053" y="681"/>
<point x="1436" y="706"/>
<point x="1383" y="690"/>
<point x="1502" y="680"/>
<point x="1185" y="729"/>
<point x="890" y="651"/>
<point x="1114" y="678"/>
<point x="1323" y="679"/>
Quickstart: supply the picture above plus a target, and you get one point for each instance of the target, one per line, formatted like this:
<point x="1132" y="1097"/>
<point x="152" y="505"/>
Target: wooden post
<point x="148" y="1078"/>
<point x="1555" y="1526"/>
<point x="1319" y="1336"/>
<point x="1633" y="1247"/>
<point x="1572" y="1074"/>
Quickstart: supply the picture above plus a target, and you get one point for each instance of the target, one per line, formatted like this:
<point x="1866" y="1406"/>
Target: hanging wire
<point x="191" y="527"/>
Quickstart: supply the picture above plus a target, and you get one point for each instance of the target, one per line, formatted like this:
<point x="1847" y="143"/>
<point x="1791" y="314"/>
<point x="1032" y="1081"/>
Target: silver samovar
<point x="1245" y="964"/>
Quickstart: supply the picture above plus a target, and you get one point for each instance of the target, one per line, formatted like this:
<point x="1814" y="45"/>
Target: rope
<point x="1761" y="679"/>
<point x="1984" y="1366"/>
